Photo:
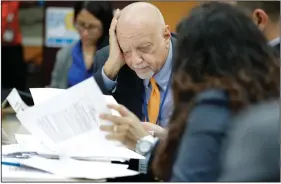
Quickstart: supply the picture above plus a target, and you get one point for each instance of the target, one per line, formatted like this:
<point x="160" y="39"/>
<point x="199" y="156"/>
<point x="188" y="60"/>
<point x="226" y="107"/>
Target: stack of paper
<point x="18" y="174"/>
<point x="66" y="123"/>
<point x="61" y="168"/>
<point x="70" y="168"/>
<point x="28" y="143"/>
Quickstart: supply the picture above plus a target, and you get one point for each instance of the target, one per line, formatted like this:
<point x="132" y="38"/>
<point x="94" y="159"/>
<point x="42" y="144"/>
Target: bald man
<point x="140" y="52"/>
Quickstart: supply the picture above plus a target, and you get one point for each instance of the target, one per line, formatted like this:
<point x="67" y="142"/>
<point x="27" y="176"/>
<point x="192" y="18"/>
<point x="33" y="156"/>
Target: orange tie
<point x="154" y="102"/>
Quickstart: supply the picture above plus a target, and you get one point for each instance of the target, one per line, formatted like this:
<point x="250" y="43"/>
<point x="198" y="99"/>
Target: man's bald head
<point x="140" y="13"/>
<point x="143" y="38"/>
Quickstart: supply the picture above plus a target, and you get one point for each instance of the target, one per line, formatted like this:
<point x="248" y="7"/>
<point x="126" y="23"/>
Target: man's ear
<point x="167" y="35"/>
<point x="260" y="18"/>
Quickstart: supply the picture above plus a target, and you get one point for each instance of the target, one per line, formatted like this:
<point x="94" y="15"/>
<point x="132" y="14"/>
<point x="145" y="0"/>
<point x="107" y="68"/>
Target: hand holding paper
<point x="67" y="121"/>
<point x="127" y="128"/>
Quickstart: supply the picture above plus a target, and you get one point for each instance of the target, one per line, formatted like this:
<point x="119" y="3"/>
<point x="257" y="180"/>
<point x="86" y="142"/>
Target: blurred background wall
<point x="174" y="11"/>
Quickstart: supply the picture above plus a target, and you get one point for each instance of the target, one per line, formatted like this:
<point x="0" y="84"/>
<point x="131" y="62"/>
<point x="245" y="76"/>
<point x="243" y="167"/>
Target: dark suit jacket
<point x="252" y="151"/>
<point x="129" y="92"/>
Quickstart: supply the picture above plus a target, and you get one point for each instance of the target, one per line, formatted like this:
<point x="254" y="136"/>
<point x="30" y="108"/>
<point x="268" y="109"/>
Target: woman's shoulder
<point x="212" y="95"/>
<point x="211" y="111"/>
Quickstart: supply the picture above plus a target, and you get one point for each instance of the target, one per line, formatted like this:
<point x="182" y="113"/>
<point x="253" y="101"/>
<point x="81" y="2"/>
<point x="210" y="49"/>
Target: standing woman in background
<point x="75" y="63"/>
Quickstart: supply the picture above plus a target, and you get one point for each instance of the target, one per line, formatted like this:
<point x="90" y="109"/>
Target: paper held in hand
<point x="68" y="122"/>
<point x="40" y="95"/>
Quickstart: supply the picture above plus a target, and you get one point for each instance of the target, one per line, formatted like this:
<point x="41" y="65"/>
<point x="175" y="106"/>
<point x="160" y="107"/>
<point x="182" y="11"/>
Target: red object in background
<point x="10" y="22"/>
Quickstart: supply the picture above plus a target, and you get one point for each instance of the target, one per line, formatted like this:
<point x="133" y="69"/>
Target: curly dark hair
<point x="218" y="47"/>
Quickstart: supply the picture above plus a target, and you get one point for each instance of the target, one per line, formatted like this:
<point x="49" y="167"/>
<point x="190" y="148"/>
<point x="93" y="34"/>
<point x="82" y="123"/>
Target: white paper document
<point x="16" y="102"/>
<point x="40" y="95"/>
<point x="79" y="169"/>
<point x="18" y="174"/>
<point x="68" y="122"/>
<point x="13" y="148"/>
<point x="25" y="174"/>
<point x="29" y="143"/>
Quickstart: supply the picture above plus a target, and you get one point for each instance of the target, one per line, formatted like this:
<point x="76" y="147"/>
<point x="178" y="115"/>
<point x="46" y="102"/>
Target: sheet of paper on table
<point x="69" y="123"/>
<point x="68" y="168"/>
<point x="71" y="168"/>
<point x="24" y="174"/>
<point x="29" y="144"/>
<point x="18" y="174"/>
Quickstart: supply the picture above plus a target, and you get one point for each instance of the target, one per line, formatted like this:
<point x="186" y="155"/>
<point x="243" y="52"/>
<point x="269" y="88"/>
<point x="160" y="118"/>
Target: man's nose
<point x="136" y="59"/>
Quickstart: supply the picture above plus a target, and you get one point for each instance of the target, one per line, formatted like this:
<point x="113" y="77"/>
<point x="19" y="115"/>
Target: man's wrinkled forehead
<point x="135" y="41"/>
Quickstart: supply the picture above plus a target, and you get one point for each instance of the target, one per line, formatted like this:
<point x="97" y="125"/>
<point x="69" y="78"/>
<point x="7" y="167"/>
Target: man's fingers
<point x="117" y="13"/>
<point x="123" y="111"/>
<point x="112" y="27"/>
<point x="117" y="137"/>
<point x="114" y="119"/>
<point x="117" y="129"/>
<point x="107" y="128"/>
<point x="123" y="139"/>
<point x="114" y="23"/>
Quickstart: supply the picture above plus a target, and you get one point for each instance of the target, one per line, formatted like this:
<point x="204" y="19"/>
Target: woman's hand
<point x="126" y="128"/>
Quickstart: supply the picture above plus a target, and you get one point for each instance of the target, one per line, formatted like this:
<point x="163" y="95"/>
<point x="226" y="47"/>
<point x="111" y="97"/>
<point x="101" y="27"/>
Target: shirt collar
<point x="274" y="42"/>
<point x="163" y="76"/>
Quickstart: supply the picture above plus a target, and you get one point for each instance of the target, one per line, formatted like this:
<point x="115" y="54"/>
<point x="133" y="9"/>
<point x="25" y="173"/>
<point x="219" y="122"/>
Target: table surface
<point x="11" y="125"/>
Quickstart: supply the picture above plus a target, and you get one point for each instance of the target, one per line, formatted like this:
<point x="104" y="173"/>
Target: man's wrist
<point x="109" y="84"/>
<point x="110" y="70"/>
<point x="145" y="144"/>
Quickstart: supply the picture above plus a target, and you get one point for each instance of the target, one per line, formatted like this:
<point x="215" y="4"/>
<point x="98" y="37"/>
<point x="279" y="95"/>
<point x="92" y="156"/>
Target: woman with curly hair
<point x="222" y="64"/>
